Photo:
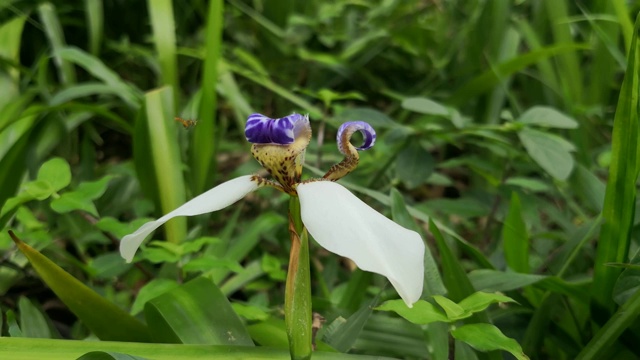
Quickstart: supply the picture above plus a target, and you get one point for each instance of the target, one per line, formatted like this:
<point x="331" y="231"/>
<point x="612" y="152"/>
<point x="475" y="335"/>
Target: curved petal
<point x="345" y="225"/>
<point x="215" y="199"/>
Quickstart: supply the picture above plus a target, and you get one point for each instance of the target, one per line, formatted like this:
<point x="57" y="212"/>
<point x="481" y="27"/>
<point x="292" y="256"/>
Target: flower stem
<point x="297" y="303"/>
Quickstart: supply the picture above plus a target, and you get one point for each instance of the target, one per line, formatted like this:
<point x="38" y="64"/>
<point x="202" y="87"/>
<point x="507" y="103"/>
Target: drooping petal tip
<point x="347" y="129"/>
<point x="261" y="129"/>
<point x="215" y="199"/>
<point x="344" y="225"/>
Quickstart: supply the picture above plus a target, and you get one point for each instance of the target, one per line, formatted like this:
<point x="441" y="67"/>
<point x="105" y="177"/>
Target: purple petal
<point x="263" y="130"/>
<point x="347" y="129"/>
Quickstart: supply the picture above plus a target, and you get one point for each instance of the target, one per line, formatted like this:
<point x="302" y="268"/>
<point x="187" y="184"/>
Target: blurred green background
<point x="494" y="120"/>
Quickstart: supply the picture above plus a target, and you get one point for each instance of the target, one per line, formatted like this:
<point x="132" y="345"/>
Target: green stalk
<point x="297" y="301"/>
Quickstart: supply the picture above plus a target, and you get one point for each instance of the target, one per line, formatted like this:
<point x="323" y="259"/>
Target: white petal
<point x="345" y="225"/>
<point x="215" y="199"/>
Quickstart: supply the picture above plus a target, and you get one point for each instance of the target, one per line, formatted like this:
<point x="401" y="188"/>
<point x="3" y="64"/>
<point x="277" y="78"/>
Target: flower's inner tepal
<point x="279" y="146"/>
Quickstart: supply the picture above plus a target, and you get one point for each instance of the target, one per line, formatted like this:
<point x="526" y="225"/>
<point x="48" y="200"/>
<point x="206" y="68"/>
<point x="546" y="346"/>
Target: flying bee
<point x="186" y="123"/>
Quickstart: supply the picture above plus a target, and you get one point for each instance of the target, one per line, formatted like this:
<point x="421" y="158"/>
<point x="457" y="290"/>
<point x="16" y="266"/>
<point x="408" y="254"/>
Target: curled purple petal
<point x="263" y="130"/>
<point x="347" y="129"/>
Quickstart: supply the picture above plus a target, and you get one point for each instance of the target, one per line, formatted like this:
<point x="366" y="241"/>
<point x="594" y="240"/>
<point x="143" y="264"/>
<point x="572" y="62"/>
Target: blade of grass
<point x="620" y="196"/>
<point x="487" y="80"/>
<point x="54" y="33"/>
<point x="515" y="238"/>
<point x="28" y="349"/>
<point x="164" y="38"/>
<point x="626" y="315"/>
<point x="95" y="22"/>
<point x="205" y="141"/>
<point x="165" y="158"/>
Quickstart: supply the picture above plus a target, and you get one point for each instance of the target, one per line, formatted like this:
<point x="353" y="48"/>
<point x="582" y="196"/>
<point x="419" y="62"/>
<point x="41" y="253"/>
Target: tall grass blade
<point x="163" y="158"/>
<point x="95" y="22"/>
<point x="54" y="33"/>
<point x="164" y="38"/>
<point x="620" y="196"/>
<point x="205" y="140"/>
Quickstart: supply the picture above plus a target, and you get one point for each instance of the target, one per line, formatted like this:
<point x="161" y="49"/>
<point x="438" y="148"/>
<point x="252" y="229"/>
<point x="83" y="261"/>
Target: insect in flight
<point x="186" y="123"/>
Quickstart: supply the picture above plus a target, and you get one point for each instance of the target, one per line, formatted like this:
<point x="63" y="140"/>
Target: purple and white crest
<point x="347" y="129"/>
<point x="264" y="130"/>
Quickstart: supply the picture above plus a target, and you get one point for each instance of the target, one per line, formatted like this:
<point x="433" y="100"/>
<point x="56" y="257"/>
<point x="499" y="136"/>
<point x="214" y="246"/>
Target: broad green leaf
<point x="620" y="197"/>
<point x="547" y="116"/>
<point x="453" y="310"/>
<point x="487" y="337"/>
<point x="421" y="313"/>
<point x="548" y="151"/>
<point x="56" y="172"/>
<point x="103" y="318"/>
<point x="21" y="348"/>
<point x="515" y="239"/>
<point x="479" y="301"/>
<point x="38" y="189"/>
<point x="425" y="106"/>
<point x="195" y="313"/>
<point x="414" y="165"/>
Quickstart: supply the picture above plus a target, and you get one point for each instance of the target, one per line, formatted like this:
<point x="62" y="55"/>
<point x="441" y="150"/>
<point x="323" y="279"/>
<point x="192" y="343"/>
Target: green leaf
<point x="250" y="312"/>
<point x="487" y="337"/>
<point x="549" y="151"/>
<point x="493" y="280"/>
<point x="109" y="265"/>
<point x="425" y="106"/>
<point x="150" y="290"/>
<point x="547" y="116"/>
<point x="515" y="238"/>
<point x="32" y="321"/>
<point x="72" y="201"/>
<point x="421" y="313"/>
<point x="343" y="336"/>
<point x="530" y="184"/>
<point x="195" y="313"/>
<point x="479" y="301"/>
<point x="414" y="165"/>
<point x="56" y="172"/>
<point x="103" y="318"/>
<point x="375" y="118"/>
<point x="274" y="267"/>
<point x="38" y="190"/>
<point x="453" y="310"/>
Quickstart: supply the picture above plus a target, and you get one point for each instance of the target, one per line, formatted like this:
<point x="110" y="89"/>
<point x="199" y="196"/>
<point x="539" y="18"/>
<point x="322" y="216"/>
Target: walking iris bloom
<point x="337" y="220"/>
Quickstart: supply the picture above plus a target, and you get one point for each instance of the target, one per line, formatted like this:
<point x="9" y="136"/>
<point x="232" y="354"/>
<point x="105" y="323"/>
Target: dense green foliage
<point x="496" y="141"/>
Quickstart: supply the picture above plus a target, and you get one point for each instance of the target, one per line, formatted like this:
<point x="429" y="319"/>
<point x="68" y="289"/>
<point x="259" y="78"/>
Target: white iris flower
<point x="335" y="218"/>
